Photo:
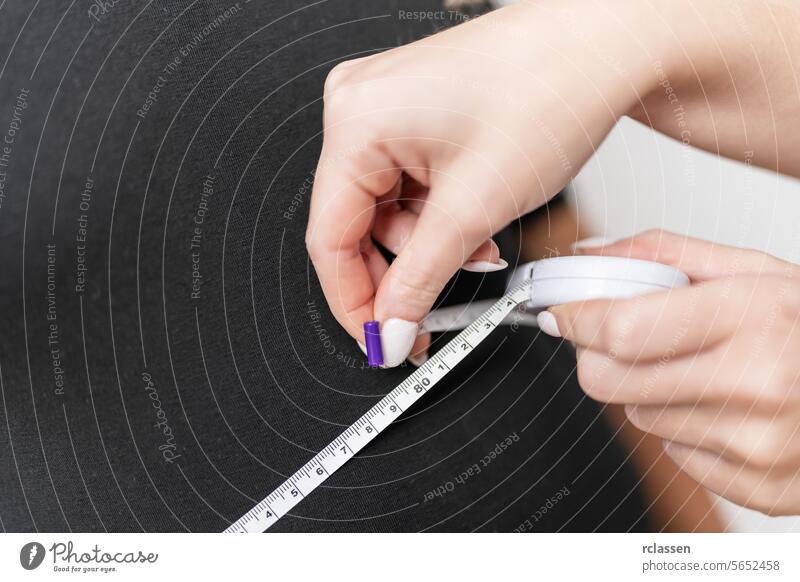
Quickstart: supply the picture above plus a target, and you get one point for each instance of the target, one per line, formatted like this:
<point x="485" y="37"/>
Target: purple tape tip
<point x="372" y="339"/>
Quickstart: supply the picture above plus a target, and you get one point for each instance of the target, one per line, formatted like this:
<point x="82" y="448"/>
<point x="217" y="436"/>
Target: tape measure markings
<point x="359" y="434"/>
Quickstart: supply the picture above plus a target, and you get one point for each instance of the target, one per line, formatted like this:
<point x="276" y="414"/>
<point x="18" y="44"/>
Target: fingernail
<point x="397" y="339"/>
<point x="592" y="243"/>
<point x="674" y="449"/>
<point x="547" y="323"/>
<point x="363" y="347"/>
<point x="632" y="412"/>
<point x="676" y="452"/>
<point x="484" y="266"/>
<point x="418" y="359"/>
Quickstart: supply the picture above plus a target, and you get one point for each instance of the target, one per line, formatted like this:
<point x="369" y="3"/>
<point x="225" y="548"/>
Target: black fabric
<point x="161" y="372"/>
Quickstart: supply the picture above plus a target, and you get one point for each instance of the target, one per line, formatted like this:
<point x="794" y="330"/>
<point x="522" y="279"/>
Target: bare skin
<point x="432" y="147"/>
<point x="675" y="502"/>
<point x="711" y="368"/>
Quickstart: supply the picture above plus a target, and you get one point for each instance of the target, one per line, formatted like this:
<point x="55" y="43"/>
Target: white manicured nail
<point x="484" y="266"/>
<point x="592" y="242"/>
<point x="547" y="323"/>
<point x="632" y="412"/>
<point x="675" y="450"/>
<point x="363" y="347"/>
<point x="397" y="339"/>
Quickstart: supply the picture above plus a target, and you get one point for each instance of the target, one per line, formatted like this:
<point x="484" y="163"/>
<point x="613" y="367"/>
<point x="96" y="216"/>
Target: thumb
<point x="448" y="231"/>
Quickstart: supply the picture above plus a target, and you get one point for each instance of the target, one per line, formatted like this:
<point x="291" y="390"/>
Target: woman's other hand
<point x="712" y="368"/>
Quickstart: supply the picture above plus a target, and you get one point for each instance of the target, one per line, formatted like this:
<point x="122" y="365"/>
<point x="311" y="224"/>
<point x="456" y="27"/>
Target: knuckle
<point x="746" y="257"/>
<point x="646" y="244"/>
<point x="651" y="234"/>
<point x="786" y="294"/>
<point x="792" y="376"/>
<point x="786" y="379"/>
<point x="335" y="79"/>
<point x="736" y="299"/>
<point x="414" y="285"/>
<point x="473" y="228"/>
<point x="617" y="330"/>
<point x="750" y="389"/>
<point x="764" y="449"/>
<point x="740" y="292"/>
<point x="350" y="88"/>
<point x="341" y="96"/>
<point x="337" y="104"/>
<point x="772" y="392"/>
<point x="467" y="222"/>
<point x="528" y="204"/>
<point x="585" y="376"/>
<point x="313" y="247"/>
<point x="592" y="378"/>
<point x="790" y="307"/>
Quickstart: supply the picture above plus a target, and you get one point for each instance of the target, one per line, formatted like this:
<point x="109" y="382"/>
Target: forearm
<point x="718" y="75"/>
<point x="736" y="92"/>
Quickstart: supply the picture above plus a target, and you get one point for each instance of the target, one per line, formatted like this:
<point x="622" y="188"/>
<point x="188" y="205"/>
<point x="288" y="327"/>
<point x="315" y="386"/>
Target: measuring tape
<point x="560" y="279"/>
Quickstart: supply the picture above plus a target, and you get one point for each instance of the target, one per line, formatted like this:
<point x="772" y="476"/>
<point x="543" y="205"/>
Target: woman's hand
<point x="713" y="368"/>
<point x="432" y="147"/>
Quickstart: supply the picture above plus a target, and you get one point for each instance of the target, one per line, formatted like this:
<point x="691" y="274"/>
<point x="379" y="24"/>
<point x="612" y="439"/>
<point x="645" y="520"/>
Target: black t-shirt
<point x="167" y="357"/>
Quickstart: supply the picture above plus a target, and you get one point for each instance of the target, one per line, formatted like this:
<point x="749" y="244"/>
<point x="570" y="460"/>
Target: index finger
<point x="676" y="321"/>
<point x="340" y="220"/>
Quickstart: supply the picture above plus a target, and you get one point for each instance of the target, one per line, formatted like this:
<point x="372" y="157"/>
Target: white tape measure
<point x="536" y="285"/>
